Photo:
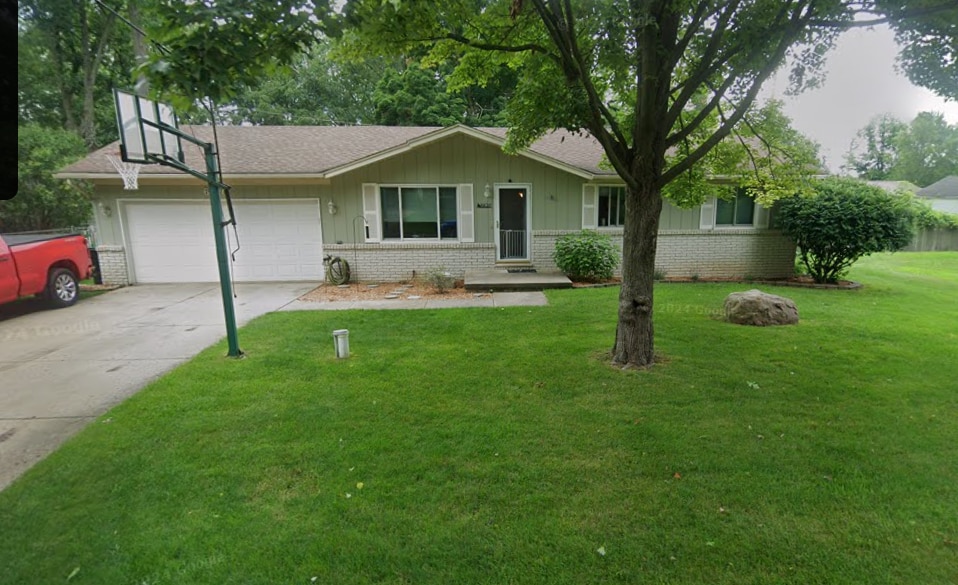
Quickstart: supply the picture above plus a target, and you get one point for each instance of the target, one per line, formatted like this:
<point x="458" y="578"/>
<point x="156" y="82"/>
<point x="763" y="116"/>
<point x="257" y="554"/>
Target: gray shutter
<point x="760" y="219"/>
<point x="467" y="222"/>
<point x="590" y="207"/>
<point x="371" y="211"/>
<point x="707" y="214"/>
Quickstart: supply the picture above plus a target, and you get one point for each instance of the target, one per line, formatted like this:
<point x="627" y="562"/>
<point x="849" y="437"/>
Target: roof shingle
<point x="315" y="150"/>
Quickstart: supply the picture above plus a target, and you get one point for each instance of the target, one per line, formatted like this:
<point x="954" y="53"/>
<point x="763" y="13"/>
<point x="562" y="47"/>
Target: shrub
<point x="844" y="220"/>
<point x="586" y="255"/>
<point x="440" y="279"/>
<point x="928" y="218"/>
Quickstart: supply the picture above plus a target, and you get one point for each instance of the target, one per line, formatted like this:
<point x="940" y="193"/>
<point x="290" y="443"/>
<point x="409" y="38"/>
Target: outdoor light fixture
<point x="106" y="209"/>
<point x="332" y="207"/>
<point x="487" y="192"/>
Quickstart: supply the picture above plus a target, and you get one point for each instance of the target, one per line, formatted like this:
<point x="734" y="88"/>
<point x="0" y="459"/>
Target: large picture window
<point x="611" y="206"/>
<point x="735" y="212"/>
<point x="419" y="213"/>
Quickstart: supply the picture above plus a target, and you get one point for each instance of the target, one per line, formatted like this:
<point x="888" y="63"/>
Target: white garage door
<point x="173" y="241"/>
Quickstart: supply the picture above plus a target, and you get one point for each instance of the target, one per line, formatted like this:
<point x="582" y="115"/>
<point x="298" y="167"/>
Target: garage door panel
<point x="173" y="241"/>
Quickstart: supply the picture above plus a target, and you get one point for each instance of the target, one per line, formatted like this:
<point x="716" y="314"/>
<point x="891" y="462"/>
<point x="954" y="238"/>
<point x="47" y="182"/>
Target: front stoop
<point x="499" y="280"/>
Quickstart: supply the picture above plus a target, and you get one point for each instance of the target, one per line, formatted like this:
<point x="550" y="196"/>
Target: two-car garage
<point x="172" y="241"/>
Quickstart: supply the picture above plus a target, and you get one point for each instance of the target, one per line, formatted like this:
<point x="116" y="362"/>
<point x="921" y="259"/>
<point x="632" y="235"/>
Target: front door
<point x="512" y="223"/>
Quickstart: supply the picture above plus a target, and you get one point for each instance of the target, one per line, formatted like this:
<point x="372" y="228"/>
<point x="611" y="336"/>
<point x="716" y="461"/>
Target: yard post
<point x="222" y="254"/>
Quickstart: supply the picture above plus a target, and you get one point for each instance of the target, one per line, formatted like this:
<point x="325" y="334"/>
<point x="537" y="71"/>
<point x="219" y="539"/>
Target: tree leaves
<point x="43" y="202"/>
<point x="211" y="49"/>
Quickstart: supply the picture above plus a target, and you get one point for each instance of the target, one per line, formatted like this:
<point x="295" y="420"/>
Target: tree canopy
<point x="929" y="43"/>
<point x="922" y="151"/>
<point x="874" y="151"/>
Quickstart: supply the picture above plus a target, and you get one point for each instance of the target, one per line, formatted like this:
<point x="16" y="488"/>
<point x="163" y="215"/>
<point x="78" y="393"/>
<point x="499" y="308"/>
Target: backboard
<point x="145" y="125"/>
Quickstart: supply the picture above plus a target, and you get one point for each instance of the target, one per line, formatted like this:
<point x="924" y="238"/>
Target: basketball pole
<point x="222" y="255"/>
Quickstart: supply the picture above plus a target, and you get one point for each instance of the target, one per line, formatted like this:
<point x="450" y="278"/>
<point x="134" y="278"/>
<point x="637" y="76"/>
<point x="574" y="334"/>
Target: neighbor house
<point x="395" y="201"/>
<point x="942" y="195"/>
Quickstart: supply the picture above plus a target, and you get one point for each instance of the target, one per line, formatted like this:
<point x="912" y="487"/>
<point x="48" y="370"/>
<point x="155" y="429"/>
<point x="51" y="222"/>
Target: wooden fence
<point x="934" y="241"/>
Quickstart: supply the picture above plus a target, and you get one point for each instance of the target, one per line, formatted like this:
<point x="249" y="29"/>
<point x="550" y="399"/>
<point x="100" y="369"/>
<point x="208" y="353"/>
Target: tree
<point x="845" y="220"/>
<point x="65" y="46"/>
<point x="927" y="150"/>
<point x="317" y="89"/>
<point x="43" y="202"/>
<point x="416" y="96"/>
<point x="874" y="151"/>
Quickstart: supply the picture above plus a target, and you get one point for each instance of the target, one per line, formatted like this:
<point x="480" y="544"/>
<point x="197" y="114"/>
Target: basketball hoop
<point x="128" y="171"/>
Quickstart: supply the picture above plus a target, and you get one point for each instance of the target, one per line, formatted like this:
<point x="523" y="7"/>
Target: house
<point x="895" y="186"/>
<point x="397" y="200"/>
<point x="942" y="195"/>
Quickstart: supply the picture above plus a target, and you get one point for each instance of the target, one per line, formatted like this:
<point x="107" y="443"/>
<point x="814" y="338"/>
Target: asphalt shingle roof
<point x="946" y="188"/>
<point x="315" y="150"/>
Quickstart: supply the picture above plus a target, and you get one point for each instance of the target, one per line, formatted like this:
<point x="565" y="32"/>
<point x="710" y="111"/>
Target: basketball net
<point x="128" y="171"/>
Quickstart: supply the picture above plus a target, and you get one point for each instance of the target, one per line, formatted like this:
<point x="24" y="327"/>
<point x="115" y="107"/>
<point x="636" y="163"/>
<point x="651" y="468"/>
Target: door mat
<point x="518" y="270"/>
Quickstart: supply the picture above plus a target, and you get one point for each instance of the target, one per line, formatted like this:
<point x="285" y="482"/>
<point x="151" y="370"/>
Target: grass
<point x="496" y="446"/>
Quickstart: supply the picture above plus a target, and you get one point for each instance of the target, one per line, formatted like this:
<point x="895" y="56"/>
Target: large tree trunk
<point x="634" y="344"/>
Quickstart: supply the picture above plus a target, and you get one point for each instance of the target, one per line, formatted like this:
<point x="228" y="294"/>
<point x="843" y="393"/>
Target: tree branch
<point x="694" y="124"/>
<point x="680" y="47"/>
<point x="559" y="28"/>
<point x="706" y="66"/>
<point x="796" y="25"/>
<point x="531" y="47"/>
<point x="905" y="14"/>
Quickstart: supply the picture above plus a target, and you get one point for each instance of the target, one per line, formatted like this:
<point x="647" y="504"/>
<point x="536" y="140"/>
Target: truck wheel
<point x="62" y="288"/>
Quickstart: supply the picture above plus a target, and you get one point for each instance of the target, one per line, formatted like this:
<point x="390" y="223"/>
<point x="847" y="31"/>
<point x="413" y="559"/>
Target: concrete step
<point x="499" y="279"/>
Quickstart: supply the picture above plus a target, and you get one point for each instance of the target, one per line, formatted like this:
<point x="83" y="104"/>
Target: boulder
<point x="754" y="307"/>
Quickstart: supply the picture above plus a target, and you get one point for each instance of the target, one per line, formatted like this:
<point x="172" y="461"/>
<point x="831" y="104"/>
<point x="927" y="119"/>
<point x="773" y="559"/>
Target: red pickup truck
<point x="43" y="265"/>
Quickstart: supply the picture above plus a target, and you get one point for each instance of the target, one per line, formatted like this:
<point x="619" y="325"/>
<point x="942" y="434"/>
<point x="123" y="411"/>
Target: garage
<point x="172" y="241"/>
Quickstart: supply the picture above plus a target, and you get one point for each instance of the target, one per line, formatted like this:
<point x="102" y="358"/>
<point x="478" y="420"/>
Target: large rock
<point x="753" y="307"/>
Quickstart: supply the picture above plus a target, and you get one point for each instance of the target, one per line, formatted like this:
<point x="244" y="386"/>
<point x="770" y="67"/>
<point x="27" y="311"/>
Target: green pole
<point x="222" y="254"/>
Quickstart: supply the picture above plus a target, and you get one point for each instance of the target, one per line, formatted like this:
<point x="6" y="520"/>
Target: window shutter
<point x="371" y="211"/>
<point x="590" y="208"/>
<point x="760" y="220"/>
<point x="707" y="215"/>
<point x="467" y="224"/>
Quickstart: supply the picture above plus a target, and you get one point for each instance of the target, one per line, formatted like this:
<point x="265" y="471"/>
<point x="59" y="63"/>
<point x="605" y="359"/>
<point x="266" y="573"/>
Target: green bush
<point x="586" y="255"/>
<point x="844" y="220"/>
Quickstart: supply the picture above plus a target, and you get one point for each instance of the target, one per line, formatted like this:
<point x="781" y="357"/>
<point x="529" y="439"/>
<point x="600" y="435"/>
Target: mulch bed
<point x="795" y="281"/>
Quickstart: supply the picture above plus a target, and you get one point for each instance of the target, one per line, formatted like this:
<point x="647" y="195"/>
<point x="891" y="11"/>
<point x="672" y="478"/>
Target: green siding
<point x="676" y="218"/>
<point x="555" y="202"/>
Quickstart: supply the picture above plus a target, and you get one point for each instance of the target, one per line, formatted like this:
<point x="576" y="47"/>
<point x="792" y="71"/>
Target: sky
<point x="861" y="83"/>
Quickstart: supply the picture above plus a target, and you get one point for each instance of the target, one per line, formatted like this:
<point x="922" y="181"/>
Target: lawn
<point x="497" y="446"/>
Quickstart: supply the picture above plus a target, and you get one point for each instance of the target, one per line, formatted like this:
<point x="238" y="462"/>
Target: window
<point x="734" y="212"/>
<point x="419" y="212"/>
<point x="611" y="206"/>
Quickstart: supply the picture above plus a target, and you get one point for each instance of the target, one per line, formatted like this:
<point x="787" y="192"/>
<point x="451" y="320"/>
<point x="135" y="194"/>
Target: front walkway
<point x="499" y="299"/>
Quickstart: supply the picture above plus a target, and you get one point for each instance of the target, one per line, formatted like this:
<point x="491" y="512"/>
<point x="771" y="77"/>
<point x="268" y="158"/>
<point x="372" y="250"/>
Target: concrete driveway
<point x="61" y="369"/>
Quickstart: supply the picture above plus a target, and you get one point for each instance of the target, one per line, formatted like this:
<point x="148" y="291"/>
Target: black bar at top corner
<point x="8" y="101"/>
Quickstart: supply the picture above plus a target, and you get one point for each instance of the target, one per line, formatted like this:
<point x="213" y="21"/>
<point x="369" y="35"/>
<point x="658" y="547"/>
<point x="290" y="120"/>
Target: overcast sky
<point x="862" y="83"/>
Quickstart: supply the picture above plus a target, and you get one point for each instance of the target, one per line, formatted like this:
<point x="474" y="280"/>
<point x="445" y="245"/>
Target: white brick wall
<point x="721" y="253"/>
<point x="396" y="262"/>
<point x="113" y="265"/>
<point x="732" y="253"/>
